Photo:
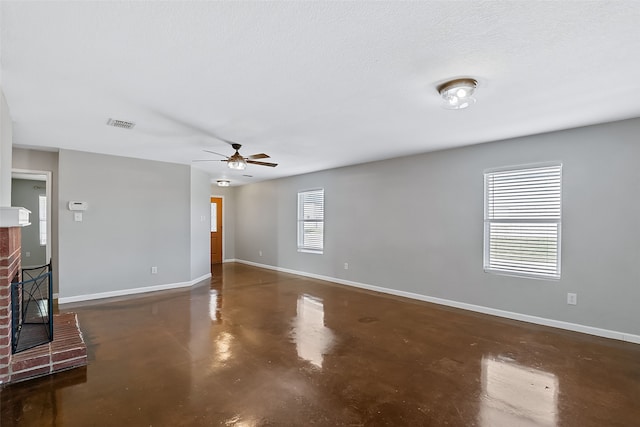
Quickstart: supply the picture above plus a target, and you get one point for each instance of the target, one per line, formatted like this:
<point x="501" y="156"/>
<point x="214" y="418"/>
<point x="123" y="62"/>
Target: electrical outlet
<point x="260" y="252"/>
<point x="346" y="265"/>
<point x="572" y="299"/>
<point x="27" y="254"/>
<point x="154" y="270"/>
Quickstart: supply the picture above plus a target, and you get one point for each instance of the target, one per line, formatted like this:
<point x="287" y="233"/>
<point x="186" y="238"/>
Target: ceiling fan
<point x="237" y="161"/>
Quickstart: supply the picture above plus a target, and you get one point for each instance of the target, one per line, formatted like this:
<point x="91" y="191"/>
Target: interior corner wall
<point x="44" y="161"/>
<point x="200" y="224"/>
<point x="138" y="217"/>
<point x="415" y="225"/>
<point x="228" y="219"/>
<point x="6" y="146"/>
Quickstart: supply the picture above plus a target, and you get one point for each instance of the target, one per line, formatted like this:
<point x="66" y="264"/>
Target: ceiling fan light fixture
<point x="223" y="182"/>
<point x="237" y="162"/>
<point x="458" y="93"/>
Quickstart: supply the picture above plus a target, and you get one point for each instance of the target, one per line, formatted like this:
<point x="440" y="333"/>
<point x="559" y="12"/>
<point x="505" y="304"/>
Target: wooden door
<point x="216" y="230"/>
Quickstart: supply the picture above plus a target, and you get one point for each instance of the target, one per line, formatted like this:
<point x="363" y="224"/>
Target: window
<point x="522" y="221"/>
<point x="214" y="217"/>
<point x="42" y="217"/>
<point x="311" y="221"/>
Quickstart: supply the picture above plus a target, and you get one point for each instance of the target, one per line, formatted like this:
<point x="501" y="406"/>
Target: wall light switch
<point x="77" y="216"/>
<point x="572" y="299"/>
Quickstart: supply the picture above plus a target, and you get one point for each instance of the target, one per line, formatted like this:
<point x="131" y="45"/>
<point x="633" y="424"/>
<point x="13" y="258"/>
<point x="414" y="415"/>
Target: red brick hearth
<point x="66" y="351"/>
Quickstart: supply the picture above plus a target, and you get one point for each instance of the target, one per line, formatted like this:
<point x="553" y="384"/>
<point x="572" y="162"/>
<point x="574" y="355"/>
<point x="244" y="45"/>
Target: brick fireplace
<point x="9" y="267"/>
<point x="66" y="351"/>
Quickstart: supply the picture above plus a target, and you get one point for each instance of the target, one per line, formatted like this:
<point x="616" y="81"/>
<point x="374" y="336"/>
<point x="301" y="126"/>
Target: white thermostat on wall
<point x="77" y="206"/>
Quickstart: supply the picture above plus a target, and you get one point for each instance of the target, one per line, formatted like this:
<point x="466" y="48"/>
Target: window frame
<point x="557" y="221"/>
<point x="301" y="221"/>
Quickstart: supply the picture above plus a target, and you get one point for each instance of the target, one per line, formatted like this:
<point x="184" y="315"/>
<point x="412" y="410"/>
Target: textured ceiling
<point x="314" y="84"/>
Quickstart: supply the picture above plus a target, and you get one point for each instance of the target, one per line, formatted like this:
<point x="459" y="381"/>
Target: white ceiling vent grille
<point x="120" y="124"/>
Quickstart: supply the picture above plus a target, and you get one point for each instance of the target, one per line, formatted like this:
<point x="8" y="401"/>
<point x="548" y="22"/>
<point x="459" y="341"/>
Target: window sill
<point x="310" y="251"/>
<point x="522" y="275"/>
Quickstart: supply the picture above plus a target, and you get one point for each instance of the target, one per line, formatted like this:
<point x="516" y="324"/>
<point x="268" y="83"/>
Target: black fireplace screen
<point x="32" y="308"/>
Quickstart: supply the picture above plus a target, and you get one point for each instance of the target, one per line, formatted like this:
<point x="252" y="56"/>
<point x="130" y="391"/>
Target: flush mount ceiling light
<point x="223" y="182"/>
<point x="458" y="93"/>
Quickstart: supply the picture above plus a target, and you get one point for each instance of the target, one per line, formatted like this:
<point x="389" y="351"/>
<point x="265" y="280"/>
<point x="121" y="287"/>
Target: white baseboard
<point x="606" y="333"/>
<point x="133" y="291"/>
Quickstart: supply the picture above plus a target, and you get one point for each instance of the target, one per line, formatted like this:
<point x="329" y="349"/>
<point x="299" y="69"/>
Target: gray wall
<point x="5" y="151"/>
<point x="26" y="193"/>
<point x="44" y="161"/>
<point x="200" y="221"/>
<point x="139" y="216"/>
<point x="415" y="224"/>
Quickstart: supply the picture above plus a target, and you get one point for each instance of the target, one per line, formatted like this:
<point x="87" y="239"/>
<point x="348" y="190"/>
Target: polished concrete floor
<point x="261" y="348"/>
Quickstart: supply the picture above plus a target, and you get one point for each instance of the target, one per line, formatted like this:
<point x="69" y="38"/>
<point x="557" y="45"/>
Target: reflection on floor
<point x="313" y="339"/>
<point x="517" y="395"/>
<point x="256" y="347"/>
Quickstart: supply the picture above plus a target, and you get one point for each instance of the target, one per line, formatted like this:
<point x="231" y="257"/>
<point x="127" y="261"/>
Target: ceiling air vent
<point x="120" y="124"/>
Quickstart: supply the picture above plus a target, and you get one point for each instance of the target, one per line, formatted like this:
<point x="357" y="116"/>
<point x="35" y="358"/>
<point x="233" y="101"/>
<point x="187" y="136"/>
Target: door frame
<point x="224" y="228"/>
<point x="24" y="174"/>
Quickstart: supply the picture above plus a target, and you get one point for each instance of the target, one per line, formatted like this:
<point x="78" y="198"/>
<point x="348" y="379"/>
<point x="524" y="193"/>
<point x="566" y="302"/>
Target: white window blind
<point x="42" y="218"/>
<point x="522" y="221"/>
<point x="311" y="221"/>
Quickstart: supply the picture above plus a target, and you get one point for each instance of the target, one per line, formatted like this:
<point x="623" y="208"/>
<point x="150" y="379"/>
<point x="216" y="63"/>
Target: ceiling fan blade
<point x="208" y="160"/>
<point x="258" y="156"/>
<point x="253" y="162"/>
<point x="213" y="152"/>
<point x="182" y="123"/>
<point x="191" y="126"/>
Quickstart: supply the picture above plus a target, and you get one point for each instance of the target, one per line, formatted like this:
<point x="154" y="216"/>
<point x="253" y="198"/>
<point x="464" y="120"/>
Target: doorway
<point x="216" y="230"/>
<point x="32" y="189"/>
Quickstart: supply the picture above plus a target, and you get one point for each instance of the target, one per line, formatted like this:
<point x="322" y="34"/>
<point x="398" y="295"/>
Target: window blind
<point x="42" y="219"/>
<point x="522" y="221"/>
<point x="311" y="220"/>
